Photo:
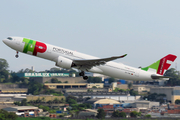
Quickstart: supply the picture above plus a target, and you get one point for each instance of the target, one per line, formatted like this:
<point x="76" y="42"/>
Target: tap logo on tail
<point x="161" y="65"/>
<point x="34" y="46"/>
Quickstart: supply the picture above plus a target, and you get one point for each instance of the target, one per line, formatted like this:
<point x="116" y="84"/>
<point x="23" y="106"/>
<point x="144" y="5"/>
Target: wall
<point x="97" y="85"/>
<point x="46" y="97"/>
<point x="62" y="79"/>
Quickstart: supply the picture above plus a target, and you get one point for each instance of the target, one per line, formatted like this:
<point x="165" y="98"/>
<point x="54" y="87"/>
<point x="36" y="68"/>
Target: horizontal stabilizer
<point x="153" y="76"/>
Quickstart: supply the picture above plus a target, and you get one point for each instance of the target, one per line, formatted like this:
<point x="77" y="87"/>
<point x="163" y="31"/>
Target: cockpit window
<point x="9" y="38"/>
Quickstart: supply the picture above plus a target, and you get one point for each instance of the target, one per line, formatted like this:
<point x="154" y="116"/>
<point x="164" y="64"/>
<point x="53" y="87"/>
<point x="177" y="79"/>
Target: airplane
<point x="68" y="59"/>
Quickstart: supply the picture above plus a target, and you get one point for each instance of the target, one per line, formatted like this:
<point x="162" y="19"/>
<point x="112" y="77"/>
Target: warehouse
<point x="24" y="111"/>
<point x="103" y="102"/>
<point x="123" y="97"/>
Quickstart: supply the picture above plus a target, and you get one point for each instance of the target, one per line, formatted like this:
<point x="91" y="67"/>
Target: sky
<point x="146" y="30"/>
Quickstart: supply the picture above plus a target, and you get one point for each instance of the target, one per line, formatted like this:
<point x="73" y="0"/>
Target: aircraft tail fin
<point x="161" y="65"/>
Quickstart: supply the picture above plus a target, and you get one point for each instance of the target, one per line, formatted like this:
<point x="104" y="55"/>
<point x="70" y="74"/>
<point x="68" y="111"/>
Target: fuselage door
<point x="49" y="48"/>
<point x="17" y="41"/>
<point x="137" y="73"/>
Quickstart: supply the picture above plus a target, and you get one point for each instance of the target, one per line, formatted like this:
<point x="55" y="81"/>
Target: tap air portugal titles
<point x="71" y="59"/>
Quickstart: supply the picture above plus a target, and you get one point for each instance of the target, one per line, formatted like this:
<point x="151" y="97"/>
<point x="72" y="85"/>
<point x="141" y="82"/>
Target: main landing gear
<point x="17" y="54"/>
<point x="82" y="74"/>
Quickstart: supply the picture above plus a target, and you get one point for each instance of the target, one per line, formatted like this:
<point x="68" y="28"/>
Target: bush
<point x="147" y="116"/>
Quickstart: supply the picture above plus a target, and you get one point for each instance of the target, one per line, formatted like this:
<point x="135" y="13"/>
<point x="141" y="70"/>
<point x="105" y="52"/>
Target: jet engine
<point x="64" y="62"/>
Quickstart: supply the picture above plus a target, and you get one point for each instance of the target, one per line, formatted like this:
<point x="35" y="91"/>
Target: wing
<point x="95" y="62"/>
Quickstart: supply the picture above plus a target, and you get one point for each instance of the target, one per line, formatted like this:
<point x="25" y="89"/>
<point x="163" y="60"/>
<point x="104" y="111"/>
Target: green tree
<point x="122" y="114"/>
<point x="24" y="80"/>
<point x="115" y="113"/>
<point x="116" y="90"/>
<point x="101" y="114"/>
<point x="71" y="101"/>
<point x="34" y="88"/>
<point x="4" y="115"/>
<point x="54" y="80"/>
<point x="56" y="100"/>
<point x="27" y="70"/>
<point x="45" y="108"/>
<point x="177" y="101"/>
<point x="3" y="64"/>
<point x="129" y="85"/>
<point x="89" y="90"/>
<point x="111" y="80"/>
<point x="118" y="114"/>
<point x="135" y="114"/>
<point x="174" y="79"/>
<point x="133" y="93"/>
<point x="15" y="79"/>
<point x="147" y="116"/>
<point x="70" y="97"/>
<point x="4" y="73"/>
<point x="24" y="102"/>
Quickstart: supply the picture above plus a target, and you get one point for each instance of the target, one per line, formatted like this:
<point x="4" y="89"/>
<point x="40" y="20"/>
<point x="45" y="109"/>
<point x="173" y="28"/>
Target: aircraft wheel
<point x="81" y="73"/>
<point x="85" y="77"/>
<point x="16" y="56"/>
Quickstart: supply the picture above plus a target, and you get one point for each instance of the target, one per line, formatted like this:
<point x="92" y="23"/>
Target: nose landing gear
<point x="17" y="54"/>
<point x="82" y="74"/>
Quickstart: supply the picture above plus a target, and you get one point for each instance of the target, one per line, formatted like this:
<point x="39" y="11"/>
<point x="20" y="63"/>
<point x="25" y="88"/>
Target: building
<point x="29" y="75"/>
<point x="17" y="90"/>
<point x="87" y="113"/>
<point x="123" y="97"/>
<point x="85" y="90"/>
<point x="95" y="85"/>
<point x="11" y="98"/>
<point x="96" y="103"/>
<point x="108" y="105"/>
<point x="62" y="79"/>
<point x="46" y="77"/>
<point x="122" y="86"/>
<point x="44" y="98"/>
<point x="73" y="85"/>
<point x="142" y="88"/>
<point x="104" y="102"/>
<point x="144" y="104"/>
<point x="113" y="85"/>
<point x="24" y="111"/>
<point x="172" y="93"/>
<point x="65" y="85"/>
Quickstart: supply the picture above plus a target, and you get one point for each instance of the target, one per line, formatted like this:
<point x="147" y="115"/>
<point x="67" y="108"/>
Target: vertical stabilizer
<point x="161" y="65"/>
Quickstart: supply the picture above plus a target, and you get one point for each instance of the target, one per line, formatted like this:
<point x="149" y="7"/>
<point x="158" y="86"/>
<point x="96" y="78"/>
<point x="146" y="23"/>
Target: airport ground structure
<point x="73" y="85"/>
<point x="100" y="95"/>
<point x="172" y="93"/>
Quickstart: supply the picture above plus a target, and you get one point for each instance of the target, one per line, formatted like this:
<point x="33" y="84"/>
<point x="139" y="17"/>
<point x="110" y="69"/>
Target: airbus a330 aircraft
<point x="71" y="59"/>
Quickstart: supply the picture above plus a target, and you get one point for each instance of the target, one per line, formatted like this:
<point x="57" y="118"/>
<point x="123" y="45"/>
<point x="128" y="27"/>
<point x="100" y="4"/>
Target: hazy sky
<point x="146" y="30"/>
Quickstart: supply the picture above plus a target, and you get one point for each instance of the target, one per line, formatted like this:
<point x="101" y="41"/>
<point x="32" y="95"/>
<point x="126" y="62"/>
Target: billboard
<point x="46" y="74"/>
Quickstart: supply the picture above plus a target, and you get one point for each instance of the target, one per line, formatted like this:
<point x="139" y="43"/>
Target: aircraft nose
<point x="3" y="41"/>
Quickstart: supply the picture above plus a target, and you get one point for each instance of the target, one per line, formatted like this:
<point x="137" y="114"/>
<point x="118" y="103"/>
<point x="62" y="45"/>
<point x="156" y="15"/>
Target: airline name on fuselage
<point x="62" y="51"/>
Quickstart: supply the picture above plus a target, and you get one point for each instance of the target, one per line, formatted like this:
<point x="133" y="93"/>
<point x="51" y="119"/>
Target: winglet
<point x="123" y="56"/>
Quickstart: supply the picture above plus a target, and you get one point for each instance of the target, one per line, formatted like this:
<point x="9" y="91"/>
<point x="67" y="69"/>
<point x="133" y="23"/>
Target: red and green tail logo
<point x="34" y="46"/>
<point x="161" y="65"/>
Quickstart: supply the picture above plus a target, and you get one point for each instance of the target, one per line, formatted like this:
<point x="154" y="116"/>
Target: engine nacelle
<point x="64" y="62"/>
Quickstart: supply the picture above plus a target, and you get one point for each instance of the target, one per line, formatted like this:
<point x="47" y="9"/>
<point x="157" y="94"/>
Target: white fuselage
<point x="112" y="69"/>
